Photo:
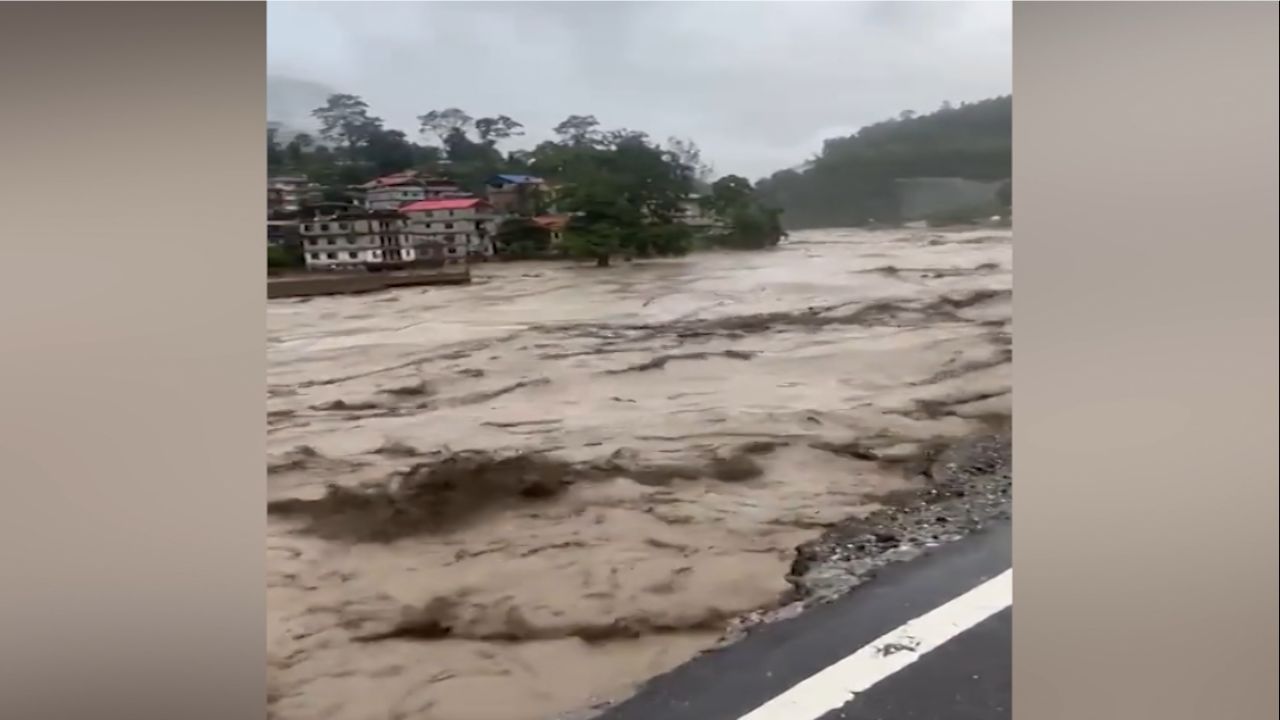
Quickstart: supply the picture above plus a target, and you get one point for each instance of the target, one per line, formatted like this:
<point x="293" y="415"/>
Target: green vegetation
<point x="624" y="190"/>
<point x="282" y="258"/>
<point x="852" y="181"/>
<point x="520" y="238"/>
<point x="753" y="227"/>
<point x="750" y="224"/>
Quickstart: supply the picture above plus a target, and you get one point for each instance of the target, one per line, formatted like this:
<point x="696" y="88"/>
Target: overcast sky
<point x="757" y="85"/>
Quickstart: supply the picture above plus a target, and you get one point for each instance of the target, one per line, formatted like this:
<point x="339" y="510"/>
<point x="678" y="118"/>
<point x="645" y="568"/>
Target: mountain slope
<point x="855" y="179"/>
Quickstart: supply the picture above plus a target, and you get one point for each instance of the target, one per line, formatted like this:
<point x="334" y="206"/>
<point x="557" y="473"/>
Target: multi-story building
<point x="464" y="225"/>
<point x="358" y="238"/>
<point x="555" y="227"/>
<point x="394" y="191"/>
<point x="517" y="194"/>
<point x="290" y="194"/>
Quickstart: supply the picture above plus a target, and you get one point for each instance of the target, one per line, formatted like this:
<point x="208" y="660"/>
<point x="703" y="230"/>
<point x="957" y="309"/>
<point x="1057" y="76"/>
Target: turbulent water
<point x="516" y="500"/>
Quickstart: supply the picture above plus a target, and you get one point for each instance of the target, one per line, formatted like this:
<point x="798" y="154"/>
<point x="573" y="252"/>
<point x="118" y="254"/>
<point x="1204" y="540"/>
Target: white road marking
<point x="837" y="684"/>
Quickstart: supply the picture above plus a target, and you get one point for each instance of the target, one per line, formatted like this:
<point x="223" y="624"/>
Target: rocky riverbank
<point x="518" y="499"/>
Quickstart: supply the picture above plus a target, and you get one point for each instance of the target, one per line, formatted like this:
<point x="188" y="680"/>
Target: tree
<point x="275" y="154"/>
<point x="578" y="129"/>
<point x="522" y="238"/>
<point x="855" y="179"/>
<point x="365" y="149"/>
<point x="493" y="129"/>
<point x="687" y="152"/>
<point x="729" y="193"/>
<point x="753" y="226"/>
<point x="345" y="119"/>
<point x="295" y="151"/>
<point x="470" y="162"/>
<point x="598" y="242"/>
<point x="520" y="161"/>
<point x="389" y="151"/>
<point x="662" y="240"/>
<point x="281" y="258"/>
<point x="445" y="123"/>
<point x="427" y="158"/>
<point x="622" y="190"/>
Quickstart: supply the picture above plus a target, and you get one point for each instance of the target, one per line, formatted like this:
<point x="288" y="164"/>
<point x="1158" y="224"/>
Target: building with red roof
<point x="465" y="225"/>
<point x="555" y="226"/>
<point x="446" y="205"/>
<point x="391" y="192"/>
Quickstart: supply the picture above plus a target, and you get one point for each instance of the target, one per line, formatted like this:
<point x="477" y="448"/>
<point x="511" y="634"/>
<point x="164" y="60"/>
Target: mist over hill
<point x="964" y="152"/>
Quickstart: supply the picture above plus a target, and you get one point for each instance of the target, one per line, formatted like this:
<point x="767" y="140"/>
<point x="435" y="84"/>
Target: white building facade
<point x="392" y="197"/>
<point x="465" y="226"/>
<point x="351" y="241"/>
<point x="289" y="194"/>
<point x="691" y="213"/>
<point x="395" y="191"/>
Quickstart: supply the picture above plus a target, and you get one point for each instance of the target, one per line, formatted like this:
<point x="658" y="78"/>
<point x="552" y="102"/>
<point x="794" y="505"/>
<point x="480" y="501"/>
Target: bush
<point x="662" y="240"/>
<point x="751" y="227"/>
<point x="598" y="243"/>
<point x="280" y="258"/>
<point x="522" y="239"/>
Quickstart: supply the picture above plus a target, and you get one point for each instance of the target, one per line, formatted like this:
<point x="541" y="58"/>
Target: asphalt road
<point x="966" y="677"/>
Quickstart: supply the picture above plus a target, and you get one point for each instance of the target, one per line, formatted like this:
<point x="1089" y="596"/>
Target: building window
<point x="353" y="255"/>
<point x="342" y="226"/>
<point x="332" y="256"/>
<point x="313" y="256"/>
<point x="328" y="241"/>
<point x="448" y="226"/>
<point x="377" y="255"/>
<point x="311" y="242"/>
<point x="324" y="227"/>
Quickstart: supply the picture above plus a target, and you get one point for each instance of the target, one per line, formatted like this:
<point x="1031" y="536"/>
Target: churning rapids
<point x="518" y="499"/>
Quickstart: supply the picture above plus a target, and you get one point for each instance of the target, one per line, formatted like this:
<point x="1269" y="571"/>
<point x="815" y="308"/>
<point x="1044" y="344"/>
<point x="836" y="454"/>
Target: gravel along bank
<point x="519" y="499"/>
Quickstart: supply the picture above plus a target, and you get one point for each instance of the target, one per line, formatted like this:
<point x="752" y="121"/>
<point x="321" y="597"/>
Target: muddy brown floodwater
<point x="517" y="500"/>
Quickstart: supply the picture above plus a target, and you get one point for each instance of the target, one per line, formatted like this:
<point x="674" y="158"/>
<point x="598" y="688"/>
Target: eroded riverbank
<point x="516" y="500"/>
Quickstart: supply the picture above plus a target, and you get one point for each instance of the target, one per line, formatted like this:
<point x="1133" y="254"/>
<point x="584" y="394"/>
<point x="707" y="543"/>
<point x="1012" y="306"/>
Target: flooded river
<point x="516" y="500"/>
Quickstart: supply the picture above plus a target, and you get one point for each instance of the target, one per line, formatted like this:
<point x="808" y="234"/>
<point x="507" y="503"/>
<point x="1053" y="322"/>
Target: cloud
<point x="758" y="85"/>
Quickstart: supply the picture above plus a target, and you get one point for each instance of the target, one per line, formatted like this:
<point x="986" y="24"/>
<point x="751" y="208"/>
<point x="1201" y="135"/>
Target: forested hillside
<point x="853" y="180"/>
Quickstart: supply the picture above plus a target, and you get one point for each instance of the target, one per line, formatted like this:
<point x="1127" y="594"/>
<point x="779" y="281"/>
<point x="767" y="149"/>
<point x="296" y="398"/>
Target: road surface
<point x="925" y="640"/>
<point x="644" y="449"/>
